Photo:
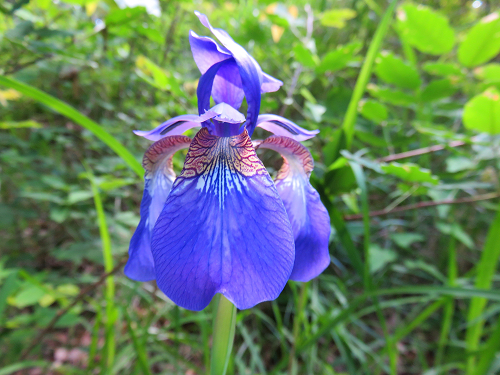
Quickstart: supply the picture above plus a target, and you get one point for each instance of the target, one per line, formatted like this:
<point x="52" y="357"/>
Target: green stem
<point x="224" y="327"/>
<point x="364" y="75"/>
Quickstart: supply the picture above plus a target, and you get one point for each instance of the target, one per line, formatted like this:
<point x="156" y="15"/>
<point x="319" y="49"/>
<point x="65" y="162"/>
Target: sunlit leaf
<point x="437" y="89"/>
<point x="19" y="124"/>
<point x="339" y="58"/>
<point x="410" y="172"/>
<point x="442" y="69"/>
<point x="337" y="17"/>
<point x="482" y="112"/>
<point x="387" y="95"/>
<point x="489" y="73"/>
<point x="373" y="111"/>
<point x="425" y="29"/>
<point x="304" y="56"/>
<point x="394" y="70"/>
<point x="482" y="42"/>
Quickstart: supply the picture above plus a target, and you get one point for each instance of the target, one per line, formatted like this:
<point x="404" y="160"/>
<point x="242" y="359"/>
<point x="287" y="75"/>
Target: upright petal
<point x="308" y="216"/>
<point x="223" y="228"/>
<point x="158" y="179"/>
<point x="174" y="126"/>
<point x="250" y="72"/>
<point x="206" y="51"/>
<point x="281" y="126"/>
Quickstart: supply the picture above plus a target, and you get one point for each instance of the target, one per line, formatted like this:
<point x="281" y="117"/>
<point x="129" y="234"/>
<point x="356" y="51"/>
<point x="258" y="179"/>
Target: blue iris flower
<point x="223" y="225"/>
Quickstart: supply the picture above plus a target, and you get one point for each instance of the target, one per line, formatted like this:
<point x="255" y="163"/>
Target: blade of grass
<point x="70" y="112"/>
<point x="361" y="181"/>
<point x="485" y="272"/>
<point x="111" y="312"/>
<point x="490" y="351"/>
<point x="11" y="369"/>
<point x="365" y="73"/>
<point x="449" y="305"/>
<point x="139" y="349"/>
<point x="95" y="341"/>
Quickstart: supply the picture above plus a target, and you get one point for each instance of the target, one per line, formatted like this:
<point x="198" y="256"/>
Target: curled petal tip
<point x="281" y="126"/>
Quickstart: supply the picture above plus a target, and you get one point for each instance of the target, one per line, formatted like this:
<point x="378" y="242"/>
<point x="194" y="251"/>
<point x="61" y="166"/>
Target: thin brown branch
<point x="416" y="206"/>
<point x="421" y="151"/>
<point x="83" y="293"/>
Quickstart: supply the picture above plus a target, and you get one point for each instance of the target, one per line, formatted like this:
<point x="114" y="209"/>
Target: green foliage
<point x="406" y="98"/>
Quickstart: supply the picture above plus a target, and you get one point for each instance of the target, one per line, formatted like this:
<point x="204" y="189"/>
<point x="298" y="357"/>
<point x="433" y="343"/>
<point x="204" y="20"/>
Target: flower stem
<point x="224" y="327"/>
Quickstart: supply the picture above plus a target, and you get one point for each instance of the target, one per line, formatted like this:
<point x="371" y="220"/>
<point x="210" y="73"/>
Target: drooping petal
<point x="270" y="84"/>
<point x="174" y="126"/>
<point x="223" y="228"/>
<point x="158" y="179"/>
<point x="206" y="51"/>
<point x="307" y="214"/>
<point x="281" y="126"/>
<point x="250" y="72"/>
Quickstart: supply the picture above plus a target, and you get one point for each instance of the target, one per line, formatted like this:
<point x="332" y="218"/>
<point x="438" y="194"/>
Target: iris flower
<point x="223" y="225"/>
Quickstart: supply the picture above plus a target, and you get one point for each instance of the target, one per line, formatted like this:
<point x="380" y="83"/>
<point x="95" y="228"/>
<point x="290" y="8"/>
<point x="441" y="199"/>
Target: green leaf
<point x="405" y="240"/>
<point x="77" y="117"/>
<point x="339" y="58"/>
<point x="488" y="73"/>
<point x="337" y="17"/>
<point x="387" y="95"/>
<point x="14" y="368"/>
<point x="456" y="231"/>
<point x="122" y="16"/>
<point x="156" y="76"/>
<point x="482" y="112"/>
<point x="438" y="89"/>
<point x="482" y="42"/>
<point x="394" y="70"/>
<point x="456" y="164"/>
<point x="425" y="29"/>
<point x="442" y="69"/>
<point x="372" y="110"/>
<point x="27" y="297"/>
<point x="410" y="172"/>
<point x="380" y="257"/>
<point x="79" y="196"/>
<point x="19" y="124"/>
<point x="304" y="56"/>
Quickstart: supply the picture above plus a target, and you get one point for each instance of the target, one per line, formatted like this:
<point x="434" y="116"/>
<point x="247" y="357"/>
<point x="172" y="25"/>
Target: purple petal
<point x="249" y="69"/>
<point x="223" y="229"/>
<point x="174" y="126"/>
<point x="269" y="84"/>
<point x="158" y="179"/>
<point x="281" y="126"/>
<point x="228" y="87"/>
<point x="308" y="216"/>
<point x="206" y="51"/>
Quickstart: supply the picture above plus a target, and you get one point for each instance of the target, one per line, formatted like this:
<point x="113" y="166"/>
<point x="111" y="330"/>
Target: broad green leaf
<point x="482" y="112"/>
<point x="425" y="29"/>
<point x="337" y="17"/>
<point x="79" y="196"/>
<point x="456" y="231"/>
<point x="152" y="34"/>
<point x="339" y="58"/>
<point x="488" y="73"/>
<point x="380" y="257"/>
<point x="387" y="95"/>
<point x="372" y="110"/>
<point x="442" y="69"/>
<point x="156" y="76"/>
<point x="27" y="297"/>
<point x="410" y="172"/>
<point x="121" y="16"/>
<point x="305" y="56"/>
<point x="19" y="124"/>
<point x="405" y="240"/>
<point x="438" y="89"/>
<point x="394" y="70"/>
<point x="482" y="42"/>
<point x="456" y="164"/>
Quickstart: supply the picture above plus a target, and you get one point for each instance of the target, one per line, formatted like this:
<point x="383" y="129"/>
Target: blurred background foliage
<point x="412" y="287"/>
